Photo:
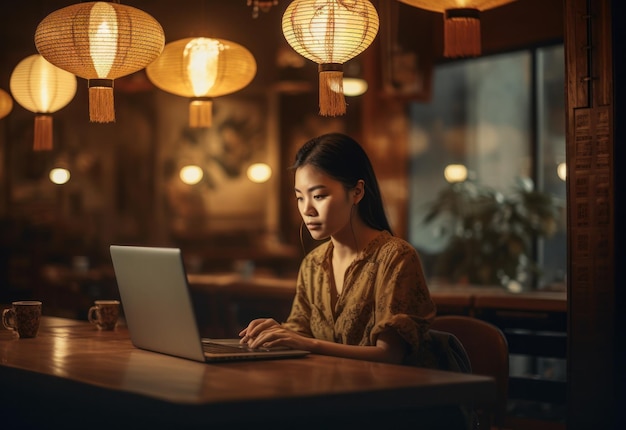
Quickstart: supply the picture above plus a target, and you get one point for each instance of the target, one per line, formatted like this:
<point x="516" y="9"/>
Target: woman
<point x="362" y="294"/>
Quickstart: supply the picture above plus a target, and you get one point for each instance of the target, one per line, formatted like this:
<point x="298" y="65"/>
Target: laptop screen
<point x="155" y="300"/>
<point x="159" y="311"/>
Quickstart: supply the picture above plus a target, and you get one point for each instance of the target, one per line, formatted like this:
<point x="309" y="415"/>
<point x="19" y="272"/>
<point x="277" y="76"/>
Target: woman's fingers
<point x="255" y="328"/>
<point x="273" y="336"/>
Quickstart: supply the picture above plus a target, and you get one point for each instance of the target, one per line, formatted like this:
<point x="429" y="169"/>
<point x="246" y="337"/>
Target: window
<point x="502" y="118"/>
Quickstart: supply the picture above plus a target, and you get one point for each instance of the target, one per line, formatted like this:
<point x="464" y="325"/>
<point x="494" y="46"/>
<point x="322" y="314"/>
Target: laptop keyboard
<point x="217" y="348"/>
<point x="220" y="348"/>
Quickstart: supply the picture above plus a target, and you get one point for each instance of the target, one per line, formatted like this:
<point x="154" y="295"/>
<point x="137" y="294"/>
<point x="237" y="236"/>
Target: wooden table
<point x="73" y="375"/>
<point x="472" y="298"/>
<point x="534" y="322"/>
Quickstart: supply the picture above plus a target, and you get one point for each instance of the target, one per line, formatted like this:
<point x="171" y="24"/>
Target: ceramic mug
<point x="104" y="314"/>
<point x="23" y="317"/>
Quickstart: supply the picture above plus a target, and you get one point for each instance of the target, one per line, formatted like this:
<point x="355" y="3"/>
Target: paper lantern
<point x="202" y="68"/>
<point x="100" y="41"/>
<point x="330" y="32"/>
<point x="461" y="23"/>
<point x="42" y="88"/>
<point x="6" y="103"/>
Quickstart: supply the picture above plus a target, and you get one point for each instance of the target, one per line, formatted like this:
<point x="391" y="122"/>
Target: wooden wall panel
<point x="591" y="228"/>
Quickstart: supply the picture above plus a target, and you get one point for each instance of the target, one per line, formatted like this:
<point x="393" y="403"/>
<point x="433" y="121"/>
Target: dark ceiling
<point x="517" y="24"/>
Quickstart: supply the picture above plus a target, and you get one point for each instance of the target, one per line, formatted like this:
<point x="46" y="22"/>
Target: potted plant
<point x="492" y="236"/>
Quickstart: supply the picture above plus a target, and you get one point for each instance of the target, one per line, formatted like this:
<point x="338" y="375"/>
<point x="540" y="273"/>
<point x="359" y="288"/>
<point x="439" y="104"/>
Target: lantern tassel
<point x="332" y="100"/>
<point x="200" y="113"/>
<point x="43" y="133"/>
<point x="101" y="105"/>
<point x="461" y="33"/>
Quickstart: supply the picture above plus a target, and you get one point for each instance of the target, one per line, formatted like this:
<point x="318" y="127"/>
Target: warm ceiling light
<point x="354" y="87"/>
<point x="259" y="172"/>
<point x="42" y="88"/>
<point x="561" y="171"/>
<point x="329" y="33"/>
<point x="6" y="103"/>
<point x="59" y="175"/>
<point x="191" y="174"/>
<point x="455" y="173"/>
<point x="202" y="68"/>
<point x="100" y="41"/>
<point x="461" y="23"/>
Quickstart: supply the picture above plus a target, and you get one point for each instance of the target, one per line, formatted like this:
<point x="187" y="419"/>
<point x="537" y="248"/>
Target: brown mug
<point x="23" y="317"/>
<point x="104" y="314"/>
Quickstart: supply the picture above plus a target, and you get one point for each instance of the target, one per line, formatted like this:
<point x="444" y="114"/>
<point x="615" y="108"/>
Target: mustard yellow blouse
<point x="384" y="288"/>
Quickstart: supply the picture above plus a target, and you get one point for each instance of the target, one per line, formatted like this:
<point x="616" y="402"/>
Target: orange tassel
<point x="101" y="104"/>
<point x="43" y="133"/>
<point x="332" y="100"/>
<point x="200" y="113"/>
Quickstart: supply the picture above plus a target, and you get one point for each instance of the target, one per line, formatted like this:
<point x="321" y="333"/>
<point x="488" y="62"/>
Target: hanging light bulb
<point x="455" y="173"/>
<point x="353" y="87"/>
<point x="330" y="32"/>
<point x="353" y="83"/>
<point x="59" y="175"/>
<point x="259" y="172"/>
<point x="191" y="174"/>
<point x="561" y="171"/>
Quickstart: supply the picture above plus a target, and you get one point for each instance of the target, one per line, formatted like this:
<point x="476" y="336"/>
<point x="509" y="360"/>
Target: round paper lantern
<point x="100" y="41"/>
<point x="42" y="88"/>
<point x="202" y="68"/>
<point x="6" y="103"/>
<point x="461" y="23"/>
<point x="330" y="32"/>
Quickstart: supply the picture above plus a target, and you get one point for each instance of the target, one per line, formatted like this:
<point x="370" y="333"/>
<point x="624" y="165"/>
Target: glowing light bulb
<point x="191" y="174"/>
<point x="259" y="172"/>
<point x="353" y="87"/>
<point x="455" y="173"/>
<point x="59" y="175"/>
<point x="561" y="171"/>
<point x="202" y="55"/>
<point x="100" y="40"/>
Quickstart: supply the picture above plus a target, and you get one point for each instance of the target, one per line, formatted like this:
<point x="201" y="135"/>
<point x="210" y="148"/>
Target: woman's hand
<point x="267" y="333"/>
<point x="255" y="327"/>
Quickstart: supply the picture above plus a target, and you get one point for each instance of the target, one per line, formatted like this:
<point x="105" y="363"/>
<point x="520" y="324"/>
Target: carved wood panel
<point x="591" y="228"/>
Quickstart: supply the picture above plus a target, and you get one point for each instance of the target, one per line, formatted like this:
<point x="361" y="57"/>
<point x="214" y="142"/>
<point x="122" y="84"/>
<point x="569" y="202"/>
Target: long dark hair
<point x="343" y="159"/>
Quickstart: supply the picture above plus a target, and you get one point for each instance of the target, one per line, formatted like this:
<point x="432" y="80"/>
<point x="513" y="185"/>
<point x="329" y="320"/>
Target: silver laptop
<point x="159" y="313"/>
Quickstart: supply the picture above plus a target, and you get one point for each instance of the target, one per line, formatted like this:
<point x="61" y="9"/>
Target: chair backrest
<point x="488" y="353"/>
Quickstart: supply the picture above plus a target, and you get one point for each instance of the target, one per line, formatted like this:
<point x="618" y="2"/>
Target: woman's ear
<point x="358" y="191"/>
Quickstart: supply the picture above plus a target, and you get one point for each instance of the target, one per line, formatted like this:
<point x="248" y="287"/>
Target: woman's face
<point x="323" y="202"/>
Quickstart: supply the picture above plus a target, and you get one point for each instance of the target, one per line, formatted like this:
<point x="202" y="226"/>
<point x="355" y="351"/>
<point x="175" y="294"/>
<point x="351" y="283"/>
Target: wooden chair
<point x="488" y="353"/>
